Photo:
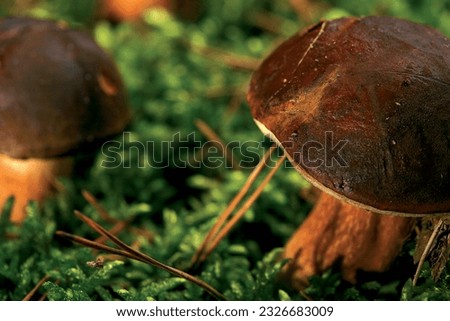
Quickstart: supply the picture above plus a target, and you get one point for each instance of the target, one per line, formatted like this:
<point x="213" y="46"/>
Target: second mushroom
<point x="60" y="94"/>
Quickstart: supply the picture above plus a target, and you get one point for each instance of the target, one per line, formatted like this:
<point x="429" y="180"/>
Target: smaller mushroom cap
<point x="362" y="109"/>
<point x="59" y="91"/>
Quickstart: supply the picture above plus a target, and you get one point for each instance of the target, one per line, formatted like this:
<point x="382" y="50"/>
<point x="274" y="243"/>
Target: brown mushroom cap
<point x="380" y="87"/>
<point x="59" y="91"/>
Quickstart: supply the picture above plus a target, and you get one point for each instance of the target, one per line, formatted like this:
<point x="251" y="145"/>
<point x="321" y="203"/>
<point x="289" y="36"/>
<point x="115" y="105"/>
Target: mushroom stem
<point x="29" y="180"/>
<point x="334" y="231"/>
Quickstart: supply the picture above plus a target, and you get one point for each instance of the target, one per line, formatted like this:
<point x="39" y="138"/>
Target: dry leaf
<point x="439" y="255"/>
<point x="433" y="243"/>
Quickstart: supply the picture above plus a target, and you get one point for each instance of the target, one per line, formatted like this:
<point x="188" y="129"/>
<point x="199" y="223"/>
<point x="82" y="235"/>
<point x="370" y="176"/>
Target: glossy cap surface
<point x="362" y="108"/>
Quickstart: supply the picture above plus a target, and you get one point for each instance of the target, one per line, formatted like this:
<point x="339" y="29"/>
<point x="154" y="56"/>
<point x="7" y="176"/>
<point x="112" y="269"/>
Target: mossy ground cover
<point x="179" y="72"/>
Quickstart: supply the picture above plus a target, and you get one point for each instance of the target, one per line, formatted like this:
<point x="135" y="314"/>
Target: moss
<point x="170" y="207"/>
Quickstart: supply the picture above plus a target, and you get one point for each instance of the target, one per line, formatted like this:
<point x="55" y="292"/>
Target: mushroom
<point x="361" y="109"/>
<point x="60" y="95"/>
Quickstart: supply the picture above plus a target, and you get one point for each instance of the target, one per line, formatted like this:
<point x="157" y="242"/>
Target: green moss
<point x="171" y="85"/>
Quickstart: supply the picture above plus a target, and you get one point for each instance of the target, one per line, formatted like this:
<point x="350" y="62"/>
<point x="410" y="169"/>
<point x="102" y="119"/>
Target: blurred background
<point x="186" y="66"/>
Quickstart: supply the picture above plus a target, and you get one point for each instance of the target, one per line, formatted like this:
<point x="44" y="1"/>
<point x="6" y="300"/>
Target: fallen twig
<point x="131" y="253"/>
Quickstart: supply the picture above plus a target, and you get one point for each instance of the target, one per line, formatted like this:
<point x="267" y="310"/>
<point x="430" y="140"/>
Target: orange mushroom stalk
<point x="30" y="180"/>
<point x="361" y="109"/>
<point x="60" y="95"/>
<point x="337" y="231"/>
